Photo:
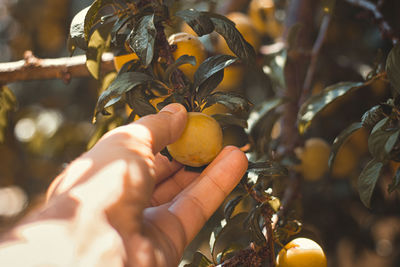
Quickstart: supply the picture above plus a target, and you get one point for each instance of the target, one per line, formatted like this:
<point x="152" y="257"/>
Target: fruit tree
<point x="308" y="89"/>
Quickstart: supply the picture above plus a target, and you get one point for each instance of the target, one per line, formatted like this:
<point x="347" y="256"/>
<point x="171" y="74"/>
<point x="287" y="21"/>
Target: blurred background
<point x="52" y="124"/>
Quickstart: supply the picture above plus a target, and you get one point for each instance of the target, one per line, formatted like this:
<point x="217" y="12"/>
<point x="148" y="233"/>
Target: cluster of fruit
<point x="203" y="137"/>
<point x="259" y="21"/>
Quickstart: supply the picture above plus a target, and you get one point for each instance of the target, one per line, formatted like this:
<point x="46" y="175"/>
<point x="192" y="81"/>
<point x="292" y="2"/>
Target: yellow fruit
<point x="359" y="140"/>
<point x="187" y="44"/>
<point x="261" y="13"/>
<point x="345" y="161"/>
<point x="301" y="252"/>
<point x="314" y="158"/>
<point x="233" y="77"/>
<point x="245" y="27"/>
<point x="119" y="61"/>
<point x="200" y="143"/>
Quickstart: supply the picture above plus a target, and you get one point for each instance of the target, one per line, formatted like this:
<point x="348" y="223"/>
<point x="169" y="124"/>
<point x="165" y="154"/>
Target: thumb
<point x="165" y="127"/>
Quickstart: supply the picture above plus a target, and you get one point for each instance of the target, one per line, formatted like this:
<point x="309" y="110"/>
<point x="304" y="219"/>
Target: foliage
<point x="264" y="212"/>
<point x="139" y="27"/>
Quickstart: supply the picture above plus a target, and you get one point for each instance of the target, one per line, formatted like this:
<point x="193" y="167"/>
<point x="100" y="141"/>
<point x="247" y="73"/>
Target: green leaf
<point x="121" y="22"/>
<point x="185" y="59"/>
<point x="317" y="103"/>
<point x="233" y="101"/>
<point x="261" y="122"/>
<point x="138" y="102"/>
<point x="234" y="39"/>
<point x="99" y="42"/>
<point x="226" y="119"/>
<point x="199" y="260"/>
<point x="92" y="16"/>
<point x="232" y="232"/>
<point x="267" y="168"/>
<point x="274" y="68"/>
<point x="393" y="67"/>
<point x="198" y="21"/>
<point x="205" y="22"/>
<point x="231" y="205"/>
<point x="142" y="39"/>
<point x="76" y="36"/>
<point x="8" y="103"/>
<point x="368" y="179"/>
<point x="263" y="109"/>
<point x="395" y="183"/>
<point x="255" y="228"/>
<point x="382" y="141"/>
<point x="380" y="124"/>
<point x="203" y="77"/>
<point x="122" y="84"/>
<point x="372" y="116"/>
<point x="340" y="139"/>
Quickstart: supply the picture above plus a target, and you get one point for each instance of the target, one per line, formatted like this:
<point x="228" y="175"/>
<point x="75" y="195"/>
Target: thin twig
<point x="384" y="26"/>
<point x="289" y="194"/>
<point x="314" y="58"/>
<point x="33" y="68"/>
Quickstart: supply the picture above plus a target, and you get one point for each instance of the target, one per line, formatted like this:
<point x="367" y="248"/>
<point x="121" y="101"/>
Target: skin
<point x="122" y="203"/>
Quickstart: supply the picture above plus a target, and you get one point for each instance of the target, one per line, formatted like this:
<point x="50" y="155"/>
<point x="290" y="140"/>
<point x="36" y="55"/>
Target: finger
<point x="170" y="188"/>
<point x="147" y="136"/>
<point x="194" y="205"/>
<point x="167" y="190"/>
<point x="165" y="168"/>
<point x="163" y="128"/>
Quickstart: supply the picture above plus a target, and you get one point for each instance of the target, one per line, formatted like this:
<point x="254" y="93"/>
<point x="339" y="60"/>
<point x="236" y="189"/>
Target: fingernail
<point x="173" y="108"/>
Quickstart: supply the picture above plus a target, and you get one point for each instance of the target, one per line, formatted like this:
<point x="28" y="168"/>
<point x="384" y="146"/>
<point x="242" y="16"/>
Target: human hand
<point x="133" y="207"/>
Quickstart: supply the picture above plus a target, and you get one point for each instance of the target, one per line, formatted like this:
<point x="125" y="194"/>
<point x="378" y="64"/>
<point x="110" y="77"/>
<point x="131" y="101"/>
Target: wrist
<point x="69" y="234"/>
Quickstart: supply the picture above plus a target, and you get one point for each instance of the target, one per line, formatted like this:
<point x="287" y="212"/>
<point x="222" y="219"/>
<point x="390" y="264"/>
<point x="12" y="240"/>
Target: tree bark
<point x="33" y="68"/>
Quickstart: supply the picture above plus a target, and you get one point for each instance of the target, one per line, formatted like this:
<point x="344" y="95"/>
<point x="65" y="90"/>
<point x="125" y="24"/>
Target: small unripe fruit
<point x="301" y="252"/>
<point x="200" y="142"/>
<point x="187" y="44"/>
<point x="345" y="161"/>
<point x="261" y="13"/>
<point x="314" y="158"/>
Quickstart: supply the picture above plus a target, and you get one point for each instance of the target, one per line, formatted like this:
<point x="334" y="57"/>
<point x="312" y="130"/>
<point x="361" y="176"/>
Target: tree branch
<point x="33" y="68"/>
<point x="314" y="58"/>
<point x="384" y="27"/>
<point x="300" y="12"/>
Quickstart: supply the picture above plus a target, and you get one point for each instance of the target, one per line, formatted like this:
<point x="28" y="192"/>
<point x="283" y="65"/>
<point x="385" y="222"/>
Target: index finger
<point x="165" y="127"/>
